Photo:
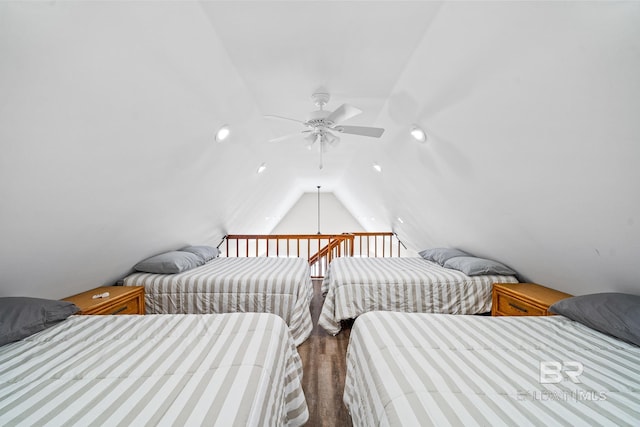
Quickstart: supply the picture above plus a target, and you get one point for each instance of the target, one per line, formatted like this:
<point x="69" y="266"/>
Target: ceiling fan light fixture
<point x="223" y="133"/>
<point x="330" y="138"/>
<point x="377" y="167"/>
<point x="418" y="133"/>
<point x="261" y="168"/>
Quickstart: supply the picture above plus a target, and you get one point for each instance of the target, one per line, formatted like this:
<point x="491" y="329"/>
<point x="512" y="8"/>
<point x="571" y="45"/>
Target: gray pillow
<point x="612" y="313"/>
<point x="441" y="255"/>
<point x="474" y="266"/>
<point x="207" y="253"/>
<point x="23" y="316"/>
<point x="170" y="263"/>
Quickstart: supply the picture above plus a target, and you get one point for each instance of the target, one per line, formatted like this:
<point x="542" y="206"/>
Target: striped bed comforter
<point x="280" y="286"/>
<point x="357" y="285"/>
<point x="211" y="369"/>
<point x="437" y="370"/>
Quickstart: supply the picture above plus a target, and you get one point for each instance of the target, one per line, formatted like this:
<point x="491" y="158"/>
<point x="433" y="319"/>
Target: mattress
<point x="429" y="369"/>
<point x="222" y="369"/>
<point x="353" y="286"/>
<point x="280" y="286"/>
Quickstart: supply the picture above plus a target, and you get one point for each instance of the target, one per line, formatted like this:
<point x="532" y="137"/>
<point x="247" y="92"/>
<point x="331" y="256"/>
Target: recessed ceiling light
<point x="400" y="220"/>
<point x="377" y="167"/>
<point x="223" y="133"/>
<point x="418" y="134"/>
<point x="261" y="168"/>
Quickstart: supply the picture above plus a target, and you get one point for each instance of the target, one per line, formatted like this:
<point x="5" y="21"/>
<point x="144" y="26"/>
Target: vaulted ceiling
<point x="108" y="111"/>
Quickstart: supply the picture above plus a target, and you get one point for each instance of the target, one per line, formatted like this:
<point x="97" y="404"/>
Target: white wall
<point x="107" y="116"/>
<point x="532" y="114"/>
<point x="107" y="111"/>
<point x="303" y="216"/>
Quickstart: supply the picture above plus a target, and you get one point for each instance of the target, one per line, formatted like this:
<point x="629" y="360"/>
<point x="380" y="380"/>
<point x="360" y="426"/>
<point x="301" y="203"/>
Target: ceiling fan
<point x="322" y="125"/>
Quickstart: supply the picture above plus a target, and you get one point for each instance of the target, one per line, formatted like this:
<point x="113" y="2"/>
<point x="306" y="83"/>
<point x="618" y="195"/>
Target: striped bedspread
<point x="280" y="286"/>
<point x="221" y="369"/>
<point x="438" y="370"/>
<point x="357" y="285"/>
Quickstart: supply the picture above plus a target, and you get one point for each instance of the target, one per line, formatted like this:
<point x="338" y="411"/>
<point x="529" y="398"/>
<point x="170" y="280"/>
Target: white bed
<point x="353" y="286"/>
<point x="219" y="369"/>
<point x="433" y="369"/>
<point x="280" y="286"/>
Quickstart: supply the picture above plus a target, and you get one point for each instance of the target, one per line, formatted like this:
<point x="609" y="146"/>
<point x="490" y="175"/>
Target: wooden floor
<point x="323" y="358"/>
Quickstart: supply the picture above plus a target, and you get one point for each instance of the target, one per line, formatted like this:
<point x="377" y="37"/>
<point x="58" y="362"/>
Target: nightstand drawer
<point x="508" y="306"/>
<point x="128" y="307"/>
<point x="523" y="299"/>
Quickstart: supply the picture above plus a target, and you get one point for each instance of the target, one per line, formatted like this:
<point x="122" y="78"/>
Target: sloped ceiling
<point x="108" y="110"/>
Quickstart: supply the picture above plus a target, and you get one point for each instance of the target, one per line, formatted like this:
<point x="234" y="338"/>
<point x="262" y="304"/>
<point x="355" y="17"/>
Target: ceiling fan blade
<point x="285" y="137"/>
<point x="292" y="135"/>
<point x="343" y="112"/>
<point x="360" y="130"/>
<point x="270" y="116"/>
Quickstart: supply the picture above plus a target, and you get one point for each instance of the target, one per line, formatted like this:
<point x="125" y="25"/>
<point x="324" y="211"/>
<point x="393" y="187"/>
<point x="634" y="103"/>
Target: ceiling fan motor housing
<point x="318" y="119"/>
<point x="320" y="99"/>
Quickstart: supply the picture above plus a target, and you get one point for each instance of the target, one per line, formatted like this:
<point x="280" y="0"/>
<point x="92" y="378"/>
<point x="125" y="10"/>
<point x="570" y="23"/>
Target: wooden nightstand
<point x="121" y="300"/>
<point x="523" y="299"/>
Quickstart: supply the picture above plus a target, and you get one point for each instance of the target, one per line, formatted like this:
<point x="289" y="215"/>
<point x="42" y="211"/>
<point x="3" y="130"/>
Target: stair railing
<point x="318" y="249"/>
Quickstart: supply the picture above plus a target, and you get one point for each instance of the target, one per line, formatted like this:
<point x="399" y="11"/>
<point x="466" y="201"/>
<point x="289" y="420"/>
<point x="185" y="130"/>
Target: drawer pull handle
<point x="119" y="310"/>
<point x="517" y="307"/>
